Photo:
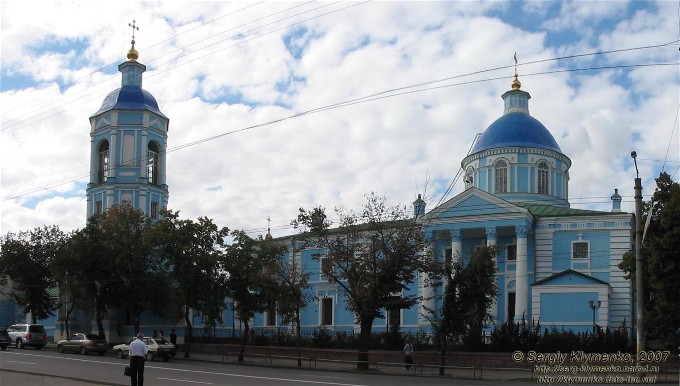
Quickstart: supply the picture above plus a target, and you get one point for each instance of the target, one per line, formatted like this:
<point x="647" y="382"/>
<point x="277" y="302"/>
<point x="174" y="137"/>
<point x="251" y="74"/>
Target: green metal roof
<point x="53" y="292"/>
<point x="539" y="210"/>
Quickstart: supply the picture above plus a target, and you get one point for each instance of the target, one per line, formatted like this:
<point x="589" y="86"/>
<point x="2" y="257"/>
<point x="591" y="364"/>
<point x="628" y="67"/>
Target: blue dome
<point x="516" y="129"/>
<point x="130" y="97"/>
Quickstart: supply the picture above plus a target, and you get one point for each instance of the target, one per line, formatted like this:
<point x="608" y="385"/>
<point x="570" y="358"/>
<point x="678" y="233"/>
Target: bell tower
<point x="128" y="139"/>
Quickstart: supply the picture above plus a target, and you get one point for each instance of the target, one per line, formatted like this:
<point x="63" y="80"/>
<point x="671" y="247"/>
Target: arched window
<point x="543" y="178"/>
<point x="469" y="178"/>
<point x="501" y="177"/>
<point x="103" y="162"/>
<point x="152" y="163"/>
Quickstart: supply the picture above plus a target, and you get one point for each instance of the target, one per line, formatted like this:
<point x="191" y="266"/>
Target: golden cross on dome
<point x="134" y="27"/>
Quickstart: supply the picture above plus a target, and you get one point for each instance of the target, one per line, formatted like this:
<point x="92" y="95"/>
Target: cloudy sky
<point x="257" y="95"/>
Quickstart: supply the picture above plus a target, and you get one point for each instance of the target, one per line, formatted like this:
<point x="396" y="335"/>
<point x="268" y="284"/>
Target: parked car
<point x="158" y="347"/>
<point x="84" y="344"/>
<point x="23" y="334"/>
<point x="5" y="340"/>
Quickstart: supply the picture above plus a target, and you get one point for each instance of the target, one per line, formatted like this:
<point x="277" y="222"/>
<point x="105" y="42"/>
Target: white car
<point x="158" y="347"/>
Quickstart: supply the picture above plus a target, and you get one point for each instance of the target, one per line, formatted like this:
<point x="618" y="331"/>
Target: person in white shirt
<point x="138" y="351"/>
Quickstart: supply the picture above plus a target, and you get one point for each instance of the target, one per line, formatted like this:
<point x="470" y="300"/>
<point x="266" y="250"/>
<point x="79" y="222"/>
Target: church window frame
<point x="154" y="210"/>
<point x="500" y="176"/>
<point x="326" y="314"/>
<point x="543" y="178"/>
<point x="103" y="162"/>
<point x="470" y="178"/>
<point x="152" y="164"/>
<point x="580" y="250"/>
<point x="511" y="252"/>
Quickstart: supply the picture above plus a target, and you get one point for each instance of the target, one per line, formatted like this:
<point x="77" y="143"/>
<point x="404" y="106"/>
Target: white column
<point x="456" y="245"/>
<point x="521" y="275"/>
<point x="490" y="242"/>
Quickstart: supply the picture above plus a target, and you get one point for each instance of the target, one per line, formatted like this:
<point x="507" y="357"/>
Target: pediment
<point x="474" y="202"/>
<point x="569" y="277"/>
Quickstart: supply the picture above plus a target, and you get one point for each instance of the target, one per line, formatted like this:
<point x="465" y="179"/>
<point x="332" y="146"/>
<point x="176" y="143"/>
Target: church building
<point x="556" y="266"/>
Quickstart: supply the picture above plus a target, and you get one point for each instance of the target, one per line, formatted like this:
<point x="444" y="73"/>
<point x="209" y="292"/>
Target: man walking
<point x="138" y="352"/>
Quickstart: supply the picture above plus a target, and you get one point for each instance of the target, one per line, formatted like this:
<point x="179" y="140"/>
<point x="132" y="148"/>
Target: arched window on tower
<point x="103" y="162"/>
<point x="501" y="177"/>
<point x="543" y="178"/>
<point x="152" y="163"/>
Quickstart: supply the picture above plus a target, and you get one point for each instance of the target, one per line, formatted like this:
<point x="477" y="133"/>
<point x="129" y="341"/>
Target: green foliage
<point x="513" y="336"/>
<point x="661" y="248"/>
<point x="249" y="263"/>
<point x="192" y="258"/>
<point x="26" y="258"/>
<point x="468" y="295"/>
<point x="371" y="255"/>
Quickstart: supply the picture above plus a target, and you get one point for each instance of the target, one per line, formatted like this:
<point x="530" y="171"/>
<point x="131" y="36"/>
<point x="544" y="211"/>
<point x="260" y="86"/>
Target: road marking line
<point x="25" y="363"/>
<point x="184" y="380"/>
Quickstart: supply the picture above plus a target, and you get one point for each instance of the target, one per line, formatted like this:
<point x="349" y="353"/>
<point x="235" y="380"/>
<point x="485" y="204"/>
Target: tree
<point x="137" y="279"/>
<point x="192" y="254"/>
<point x="293" y="294"/>
<point x="662" y="265"/>
<point x="25" y="258"/>
<point x="468" y="295"/>
<point x="249" y="263"/>
<point x="371" y="256"/>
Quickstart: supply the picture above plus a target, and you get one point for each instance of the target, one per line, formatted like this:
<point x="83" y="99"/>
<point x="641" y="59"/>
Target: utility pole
<point x="639" y="287"/>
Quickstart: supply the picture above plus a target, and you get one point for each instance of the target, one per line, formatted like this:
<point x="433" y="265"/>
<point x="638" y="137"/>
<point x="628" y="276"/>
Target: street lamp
<point x="594" y="306"/>
<point x="639" y="288"/>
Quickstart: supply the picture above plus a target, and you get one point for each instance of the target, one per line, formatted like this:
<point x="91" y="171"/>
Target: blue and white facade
<point x="128" y="138"/>
<point x="556" y="265"/>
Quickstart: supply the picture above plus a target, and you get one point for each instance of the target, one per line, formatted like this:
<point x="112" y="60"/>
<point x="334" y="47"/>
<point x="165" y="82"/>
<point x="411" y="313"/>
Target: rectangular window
<point x="154" y="210"/>
<point x="327" y="311"/>
<point x="543" y="181"/>
<point x="511" y="252"/>
<point x="152" y="167"/>
<point x="326" y="265"/>
<point x="579" y="250"/>
<point x="271" y="317"/>
<point x="99" y="207"/>
<point x="103" y="171"/>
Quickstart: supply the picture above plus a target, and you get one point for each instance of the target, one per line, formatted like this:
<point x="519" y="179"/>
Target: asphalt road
<point x="35" y="368"/>
<point x="32" y="367"/>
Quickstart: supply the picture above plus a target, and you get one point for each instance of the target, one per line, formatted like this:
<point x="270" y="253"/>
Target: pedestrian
<point x="138" y="351"/>
<point x="408" y="354"/>
<point x="162" y="335"/>
<point x="173" y="337"/>
<point x="155" y="334"/>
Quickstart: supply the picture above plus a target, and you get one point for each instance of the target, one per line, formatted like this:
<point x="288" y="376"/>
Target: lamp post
<point x="594" y="306"/>
<point x="639" y="288"/>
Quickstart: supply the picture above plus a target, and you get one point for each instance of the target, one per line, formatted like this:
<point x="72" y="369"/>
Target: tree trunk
<point x="188" y="333"/>
<point x="99" y="316"/>
<point x="244" y="340"/>
<point x="68" y="315"/>
<point x="297" y="335"/>
<point x="364" y="342"/>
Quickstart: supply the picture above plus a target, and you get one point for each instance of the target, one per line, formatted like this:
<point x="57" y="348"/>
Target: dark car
<point x="24" y="334"/>
<point x="84" y="344"/>
<point x="5" y="340"/>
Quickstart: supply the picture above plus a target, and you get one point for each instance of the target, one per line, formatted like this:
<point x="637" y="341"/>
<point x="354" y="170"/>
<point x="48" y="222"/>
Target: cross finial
<point x="269" y="221"/>
<point x="516" y="84"/>
<point x="134" y="27"/>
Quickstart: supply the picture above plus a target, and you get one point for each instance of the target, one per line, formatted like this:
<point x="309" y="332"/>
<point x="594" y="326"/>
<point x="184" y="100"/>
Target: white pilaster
<point x="521" y="275"/>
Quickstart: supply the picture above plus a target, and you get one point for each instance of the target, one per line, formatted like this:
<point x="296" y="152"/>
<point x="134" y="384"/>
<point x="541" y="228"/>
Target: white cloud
<point x="330" y="158"/>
